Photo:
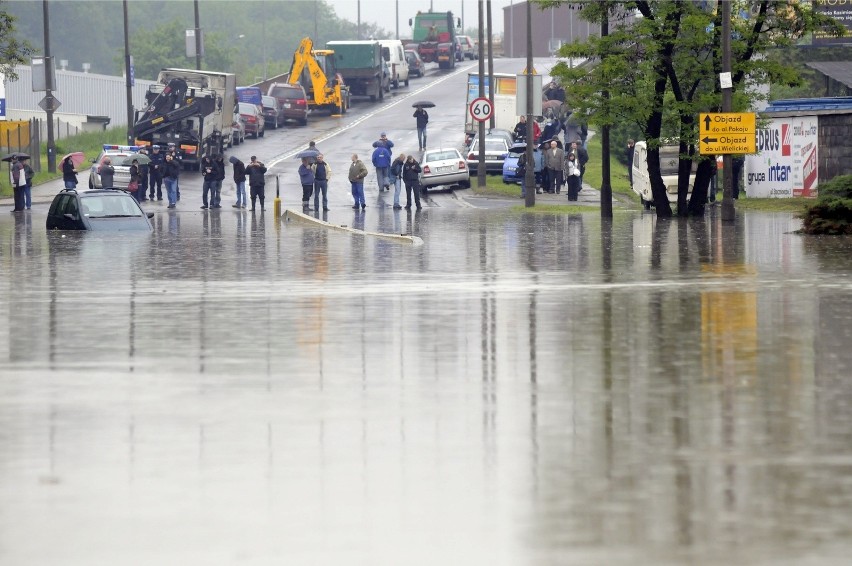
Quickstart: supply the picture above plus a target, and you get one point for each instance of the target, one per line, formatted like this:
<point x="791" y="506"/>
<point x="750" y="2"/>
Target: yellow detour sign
<point x="727" y="132"/>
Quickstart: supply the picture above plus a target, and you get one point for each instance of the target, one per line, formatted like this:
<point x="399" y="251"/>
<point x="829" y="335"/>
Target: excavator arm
<point x="304" y="60"/>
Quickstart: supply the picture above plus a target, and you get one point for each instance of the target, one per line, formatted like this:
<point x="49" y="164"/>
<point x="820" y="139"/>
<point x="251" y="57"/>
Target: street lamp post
<point x="529" y="178"/>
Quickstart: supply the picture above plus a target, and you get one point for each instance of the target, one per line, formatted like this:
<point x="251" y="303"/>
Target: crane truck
<point x="314" y="70"/>
<point x="193" y="109"/>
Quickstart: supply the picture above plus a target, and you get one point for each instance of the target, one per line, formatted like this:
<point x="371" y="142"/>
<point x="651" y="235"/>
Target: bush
<point x="832" y="212"/>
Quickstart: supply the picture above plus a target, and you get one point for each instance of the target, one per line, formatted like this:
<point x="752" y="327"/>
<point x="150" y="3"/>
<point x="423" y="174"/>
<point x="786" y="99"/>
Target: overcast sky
<point x="383" y="12"/>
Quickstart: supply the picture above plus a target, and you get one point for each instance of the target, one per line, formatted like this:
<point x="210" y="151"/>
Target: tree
<point x="165" y="46"/>
<point x="660" y="70"/>
<point x="12" y="51"/>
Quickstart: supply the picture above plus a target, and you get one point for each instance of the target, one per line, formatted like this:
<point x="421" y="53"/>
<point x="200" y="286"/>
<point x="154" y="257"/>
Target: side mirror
<point x="410" y="23"/>
<point x="150" y="215"/>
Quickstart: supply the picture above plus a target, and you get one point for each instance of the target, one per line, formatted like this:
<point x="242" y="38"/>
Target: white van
<point x="668" y="170"/>
<point x="394" y="53"/>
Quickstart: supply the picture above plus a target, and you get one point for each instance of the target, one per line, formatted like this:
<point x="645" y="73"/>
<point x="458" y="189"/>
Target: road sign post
<point x="481" y="109"/>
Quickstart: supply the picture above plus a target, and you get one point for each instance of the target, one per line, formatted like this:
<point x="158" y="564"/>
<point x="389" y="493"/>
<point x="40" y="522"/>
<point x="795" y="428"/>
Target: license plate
<point x="286" y="105"/>
<point x="445" y="169"/>
<point x="443" y="58"/>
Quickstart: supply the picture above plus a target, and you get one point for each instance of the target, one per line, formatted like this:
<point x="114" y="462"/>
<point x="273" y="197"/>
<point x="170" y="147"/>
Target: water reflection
<point x="535" y="389"/>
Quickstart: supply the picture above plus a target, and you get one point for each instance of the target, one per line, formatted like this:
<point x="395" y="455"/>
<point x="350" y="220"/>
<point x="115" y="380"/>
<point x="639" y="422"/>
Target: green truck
<point x="362" y="67"/>
<point x="434" y="37"/>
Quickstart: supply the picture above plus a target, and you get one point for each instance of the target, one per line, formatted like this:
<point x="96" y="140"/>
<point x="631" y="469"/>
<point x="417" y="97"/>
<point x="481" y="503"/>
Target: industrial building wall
<point x="80" y="93"/>
<point x="548" y="25"/>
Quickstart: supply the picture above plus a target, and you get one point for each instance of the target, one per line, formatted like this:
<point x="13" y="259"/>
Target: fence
<point x="23" y="136"/>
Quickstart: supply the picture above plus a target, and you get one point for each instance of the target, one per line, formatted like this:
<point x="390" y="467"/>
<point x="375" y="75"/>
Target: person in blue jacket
<point x="306" y="178"/>
<point x="382" y="162"/>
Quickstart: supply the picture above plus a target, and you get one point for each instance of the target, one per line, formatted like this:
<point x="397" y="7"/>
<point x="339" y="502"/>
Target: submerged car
<point x="108" y="210"/>
<point x="443" y="167"/>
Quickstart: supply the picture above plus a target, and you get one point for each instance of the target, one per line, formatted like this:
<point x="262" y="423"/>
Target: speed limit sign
<point x="481" y="109"/>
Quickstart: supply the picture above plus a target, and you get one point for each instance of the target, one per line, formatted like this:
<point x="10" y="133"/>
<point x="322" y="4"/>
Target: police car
<point x="117" y="154"/>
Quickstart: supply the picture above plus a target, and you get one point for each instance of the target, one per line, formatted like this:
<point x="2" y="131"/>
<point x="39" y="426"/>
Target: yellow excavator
<point x="314" y="70"/>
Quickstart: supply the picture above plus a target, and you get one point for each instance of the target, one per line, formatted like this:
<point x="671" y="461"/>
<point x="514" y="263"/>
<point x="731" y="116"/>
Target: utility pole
<point x="728" y="211"/>
<point x="359" y="19"/>
<point x="480" y="168"/>
<point x="529" y="178"/>
<point x="48" y="82"/>
<point x="397" y="18"/>
<point x="490" y="64"/>
<point x="316" y="32"/>
<point x="606" y="186"/>
<point x="197" y="37"/>
<point x="128" y="82"/>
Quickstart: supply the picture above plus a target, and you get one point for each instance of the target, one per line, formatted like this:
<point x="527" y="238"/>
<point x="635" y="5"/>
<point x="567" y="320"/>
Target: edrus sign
<point x="727" y="132"/>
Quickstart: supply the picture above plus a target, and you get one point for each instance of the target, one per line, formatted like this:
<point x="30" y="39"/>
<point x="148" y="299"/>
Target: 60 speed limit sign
<point x="481" y="109"/>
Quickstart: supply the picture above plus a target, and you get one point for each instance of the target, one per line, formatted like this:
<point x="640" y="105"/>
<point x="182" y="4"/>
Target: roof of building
<point x="838" y="105"/>
<point x="840" y="71"/>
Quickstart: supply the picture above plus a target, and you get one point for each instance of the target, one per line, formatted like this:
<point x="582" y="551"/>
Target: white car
<point x="443" y="167"/>
<point x="238" y="129"/>
<point x="668" y="170"/>
<point x="116" y="153"/>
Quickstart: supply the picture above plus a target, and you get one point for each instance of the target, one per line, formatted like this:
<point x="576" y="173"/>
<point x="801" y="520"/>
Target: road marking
<point x="275" y="161"/>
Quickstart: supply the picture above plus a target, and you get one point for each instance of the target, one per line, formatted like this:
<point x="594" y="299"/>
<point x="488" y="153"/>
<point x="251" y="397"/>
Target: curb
<point x="290" y="215"/>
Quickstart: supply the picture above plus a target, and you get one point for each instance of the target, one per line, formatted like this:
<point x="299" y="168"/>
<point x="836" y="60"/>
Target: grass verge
<point x="773" y="204"/>
<point x="90" y="143"/>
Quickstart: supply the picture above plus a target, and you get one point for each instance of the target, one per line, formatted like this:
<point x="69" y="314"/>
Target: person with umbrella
<point x="422" y="120"/>
<point x="28" y="176"/>
<point x="69" y="173"/>
<point x="107" y="173"/>
<point x="133" y="185"/>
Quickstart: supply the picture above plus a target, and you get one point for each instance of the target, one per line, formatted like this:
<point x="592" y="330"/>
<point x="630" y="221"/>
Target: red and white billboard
<point x="785" y="164"/>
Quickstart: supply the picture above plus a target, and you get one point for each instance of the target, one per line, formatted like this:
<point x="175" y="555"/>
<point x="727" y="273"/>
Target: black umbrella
<point x="423" y="104"/>
<point x="518" y="148"/>
<point x="307" y="154"/>
<point x="14" y="155"/>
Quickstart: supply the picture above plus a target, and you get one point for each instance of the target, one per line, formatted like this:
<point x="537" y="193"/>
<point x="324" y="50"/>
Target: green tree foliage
<point x="91" y="31"/>
<point x="12" y="51"/>
<point x="659" y="64"/>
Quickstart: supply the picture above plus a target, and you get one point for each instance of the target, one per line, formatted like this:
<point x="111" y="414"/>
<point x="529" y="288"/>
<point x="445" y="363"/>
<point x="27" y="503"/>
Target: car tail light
<point x="301" y="102"/>
<point x="426" y="169"/>
<point x="462" y="165"/>
<point x="251" y="119"/>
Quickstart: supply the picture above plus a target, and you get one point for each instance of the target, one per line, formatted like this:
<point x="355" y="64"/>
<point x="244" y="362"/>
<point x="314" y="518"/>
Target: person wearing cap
<point x="69" y="174"/>
<point x="381" y="161"/>
<point x="155" y="170"/>
<point x="384" y="142"/>
<point x="18" y="181"/>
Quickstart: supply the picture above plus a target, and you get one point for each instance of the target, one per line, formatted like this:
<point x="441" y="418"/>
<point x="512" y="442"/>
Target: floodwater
<point x="519" y="390"/>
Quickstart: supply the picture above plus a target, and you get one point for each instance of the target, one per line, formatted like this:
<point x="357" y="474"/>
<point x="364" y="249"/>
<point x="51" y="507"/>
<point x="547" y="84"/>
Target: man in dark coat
<point x="422" y="120"/>
<point x="239" y="181"/>
<point x="155" y="169"/>
<point x="256" y="172"/>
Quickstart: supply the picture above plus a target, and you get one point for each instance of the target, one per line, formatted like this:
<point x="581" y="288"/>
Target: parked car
<point x="293" y="101"/>
<point x="97" y="209"/>
<point x="238" y="127"/>
<point x="492" y="133"/>
<point x="253" y="118"/>
<point x="443" y="167"/>
<point x="510" y="166"/>
<point x="116" y="153"/>
<point x="415" y="63"/>
<point x="273" y="112"/>
<point x="496" y="150"/>
<point x="467" y="47"/>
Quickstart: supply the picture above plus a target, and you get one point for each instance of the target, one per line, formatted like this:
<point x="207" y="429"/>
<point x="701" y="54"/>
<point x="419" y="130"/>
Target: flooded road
<point x="520" y="389"/>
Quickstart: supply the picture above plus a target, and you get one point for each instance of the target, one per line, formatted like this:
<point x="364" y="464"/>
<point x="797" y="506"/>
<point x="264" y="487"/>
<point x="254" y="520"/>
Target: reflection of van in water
<point x="668" y="170"/>
<point x="394" y="53"/>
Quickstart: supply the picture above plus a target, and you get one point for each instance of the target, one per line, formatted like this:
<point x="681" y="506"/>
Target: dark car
<point x="273" y="112"/>
<point x="415" y="63"/>
<point x="294" y="102"/>
<point x="108" y="210"/>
